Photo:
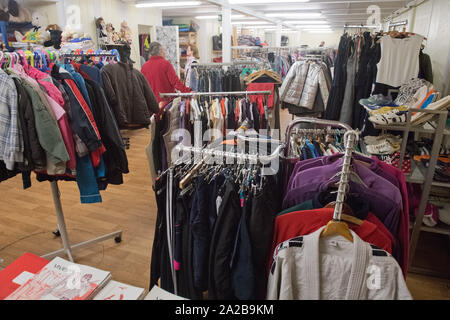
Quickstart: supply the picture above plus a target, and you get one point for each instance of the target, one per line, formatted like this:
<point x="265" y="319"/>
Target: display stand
<point x="423" y="177"/>
<point x="62" y="231"/>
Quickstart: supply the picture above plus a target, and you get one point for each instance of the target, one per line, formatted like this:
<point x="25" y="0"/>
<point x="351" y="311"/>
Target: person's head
<point x="192" y="51"/>
<point x="157" y="49"/>
<point x="322" y="44"/>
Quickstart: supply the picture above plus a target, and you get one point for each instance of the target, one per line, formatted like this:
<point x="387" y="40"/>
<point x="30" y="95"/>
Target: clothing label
<point x="22" y="278"/>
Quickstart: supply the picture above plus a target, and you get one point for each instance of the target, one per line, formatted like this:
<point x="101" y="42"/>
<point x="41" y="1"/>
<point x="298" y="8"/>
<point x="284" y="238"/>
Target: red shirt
<point x="296" y="224"/>
<point x="162" y="77"/>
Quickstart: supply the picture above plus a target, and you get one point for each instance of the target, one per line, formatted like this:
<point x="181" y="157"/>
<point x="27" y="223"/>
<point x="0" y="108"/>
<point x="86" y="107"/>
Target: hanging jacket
<point x="47" y="129"/>
<point x="115" y="156"/>
<point x="11" y="142"/>
<point x="129" y="95"/>
<point x="315" y="268"/>
<point x="314" y="80"/>
<point x="292" y="92"/>
<point x="83" y="123"/>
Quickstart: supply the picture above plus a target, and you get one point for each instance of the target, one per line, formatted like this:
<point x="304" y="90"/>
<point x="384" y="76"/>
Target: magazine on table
<point x="62" y="280"/>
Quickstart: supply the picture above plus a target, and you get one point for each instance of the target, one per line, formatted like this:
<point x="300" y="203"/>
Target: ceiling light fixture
<point x="319" y="31"/>
<point x="312" y="26"/>
<point x="307" y="22"/>
<point x="168" y="4"/>
<point x="265" y="1"/>
<point x="294" y="15"/>
<point x="251" y="23"/>
<point x="211" y="17"/>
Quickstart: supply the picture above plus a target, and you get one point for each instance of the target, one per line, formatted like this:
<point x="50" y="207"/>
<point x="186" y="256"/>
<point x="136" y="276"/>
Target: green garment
<point x="307" y="205"/>
<point x="47" y="128"/>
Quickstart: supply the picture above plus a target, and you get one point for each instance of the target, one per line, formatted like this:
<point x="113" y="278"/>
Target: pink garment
<point x="60" y="116"/>
<point x="66" y="132"/>
<point x="45" y="81"/>
<point x="403" y="232"/>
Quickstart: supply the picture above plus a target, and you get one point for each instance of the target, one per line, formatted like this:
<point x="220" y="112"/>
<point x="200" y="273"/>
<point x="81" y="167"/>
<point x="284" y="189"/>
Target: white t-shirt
<point x="399" y="60"/>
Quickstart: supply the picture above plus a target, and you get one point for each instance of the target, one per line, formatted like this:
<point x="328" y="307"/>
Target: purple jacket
<point x="384" y="198"/>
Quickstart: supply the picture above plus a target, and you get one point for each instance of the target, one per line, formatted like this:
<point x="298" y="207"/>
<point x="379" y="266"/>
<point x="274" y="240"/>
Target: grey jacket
<point x="302" y="83"/>
<point x="292" y="88"/>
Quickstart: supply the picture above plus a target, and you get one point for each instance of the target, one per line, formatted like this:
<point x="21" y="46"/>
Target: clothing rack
<point x="195" y="94"/>
<point x="222" y="64"/>
<point x="62" y="229"/>
<point x="208" y="153"/>
<point x="329" y="123"/>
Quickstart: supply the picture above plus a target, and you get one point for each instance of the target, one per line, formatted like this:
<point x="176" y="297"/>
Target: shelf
<point x="440" y="228"/>
<point x="425" y="128"/>
<point x="418" y="174"/>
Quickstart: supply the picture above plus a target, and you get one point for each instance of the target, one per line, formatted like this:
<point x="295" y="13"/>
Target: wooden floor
<point x="27" y="219"/>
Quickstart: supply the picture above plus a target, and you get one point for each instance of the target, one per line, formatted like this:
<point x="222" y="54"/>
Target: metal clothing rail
<point x="297" y="121"/>
<point x="195" y="94"/>
<point x="233" y="155"/>
<point x="220" y="64"/>
<point x="350" y="138"/>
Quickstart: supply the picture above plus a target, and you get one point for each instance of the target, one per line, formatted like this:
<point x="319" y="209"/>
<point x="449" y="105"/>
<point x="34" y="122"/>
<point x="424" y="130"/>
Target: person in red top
<point x="160" y="73"/>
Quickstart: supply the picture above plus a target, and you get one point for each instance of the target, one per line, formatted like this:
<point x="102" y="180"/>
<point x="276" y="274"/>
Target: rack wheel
<point x="118" y="239"/>
<point x="57" y="233"/>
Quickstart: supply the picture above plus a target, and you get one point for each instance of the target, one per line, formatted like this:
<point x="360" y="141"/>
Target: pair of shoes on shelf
<point x="374" y="102"/>
<point x="390" y="117"/>
<point x="395" y="160"/>
<point x="431" y="217"/>
<point x="384" y="144"/>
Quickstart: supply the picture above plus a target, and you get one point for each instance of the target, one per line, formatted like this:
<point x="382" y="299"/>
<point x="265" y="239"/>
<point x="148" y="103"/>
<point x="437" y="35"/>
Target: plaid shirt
<point x="11" y="140"/>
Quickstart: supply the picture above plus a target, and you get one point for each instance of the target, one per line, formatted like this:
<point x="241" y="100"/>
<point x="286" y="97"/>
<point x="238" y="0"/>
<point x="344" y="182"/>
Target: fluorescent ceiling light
<point x="307" y="22"/>
<point x="168" y="4"/>
<point x="265" y="1"/>
<point x="251" y="22"/>
<point x="320" y="31"/>
<point x="211" y="17"/>
<point x="294" y="15"/>
<point x="312" y="26"/>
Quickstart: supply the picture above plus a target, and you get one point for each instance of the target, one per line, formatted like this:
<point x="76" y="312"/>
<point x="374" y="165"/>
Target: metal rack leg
<point x="67" y="248"/>
<point x="427" y="187"/>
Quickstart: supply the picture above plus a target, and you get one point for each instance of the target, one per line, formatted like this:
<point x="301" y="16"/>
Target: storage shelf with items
<point x="423" y="170"/>
<point x="186" y="39"/>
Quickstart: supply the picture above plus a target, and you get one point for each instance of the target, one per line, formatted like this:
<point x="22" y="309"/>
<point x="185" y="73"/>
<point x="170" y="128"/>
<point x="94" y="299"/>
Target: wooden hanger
<point x="337" y="228"/>
<point x="258" y="74"/>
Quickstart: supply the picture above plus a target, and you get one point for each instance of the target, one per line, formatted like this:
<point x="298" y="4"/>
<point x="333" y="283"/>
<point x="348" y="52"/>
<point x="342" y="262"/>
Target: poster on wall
<point x="169" y="38"/>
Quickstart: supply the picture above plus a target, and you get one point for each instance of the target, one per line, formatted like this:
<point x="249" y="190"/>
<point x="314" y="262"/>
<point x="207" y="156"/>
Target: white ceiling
<point x="336" y="12"/>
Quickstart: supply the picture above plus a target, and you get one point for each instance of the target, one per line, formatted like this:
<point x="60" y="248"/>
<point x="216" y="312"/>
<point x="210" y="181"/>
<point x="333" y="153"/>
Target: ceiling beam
<point x="251" y="12"/>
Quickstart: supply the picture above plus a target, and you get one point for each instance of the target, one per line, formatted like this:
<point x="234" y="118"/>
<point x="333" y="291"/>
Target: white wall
<point x="432" y="20"/>
<point x="114" y="11"/>
<point x="306" y="38"/>
<point x="208" y="29"/>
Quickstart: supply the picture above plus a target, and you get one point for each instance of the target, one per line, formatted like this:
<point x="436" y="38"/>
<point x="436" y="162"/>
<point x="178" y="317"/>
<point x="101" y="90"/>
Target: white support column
<point x="227" y="32"/>
<point x="278" y="35"/>
<point x="299" y="38"/>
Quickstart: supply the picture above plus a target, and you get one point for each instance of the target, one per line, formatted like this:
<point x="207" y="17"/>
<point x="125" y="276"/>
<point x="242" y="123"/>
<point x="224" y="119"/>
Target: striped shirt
<point x="11" y="139"/>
